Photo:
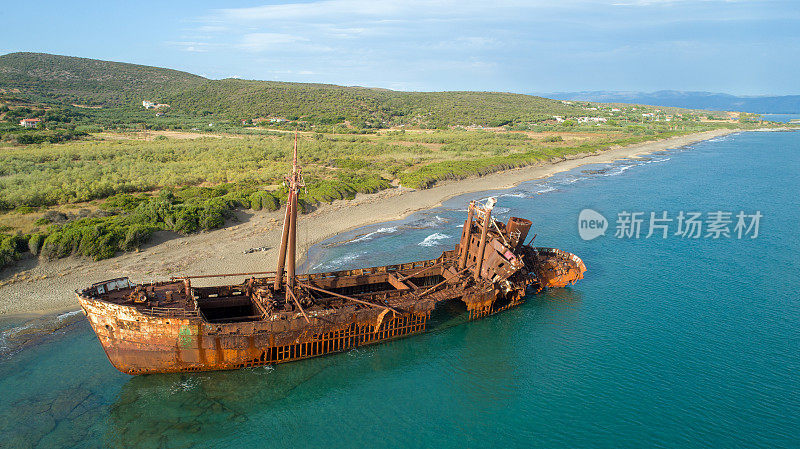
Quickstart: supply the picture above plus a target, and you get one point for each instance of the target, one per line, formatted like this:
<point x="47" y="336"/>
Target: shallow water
<point x="666" y="342"/>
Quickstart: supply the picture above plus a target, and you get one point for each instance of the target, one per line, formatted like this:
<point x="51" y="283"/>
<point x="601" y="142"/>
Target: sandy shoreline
<point x="41" y="288"/>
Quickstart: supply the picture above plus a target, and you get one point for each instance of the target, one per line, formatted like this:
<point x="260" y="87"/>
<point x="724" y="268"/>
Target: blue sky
<point x="740" y="47"/>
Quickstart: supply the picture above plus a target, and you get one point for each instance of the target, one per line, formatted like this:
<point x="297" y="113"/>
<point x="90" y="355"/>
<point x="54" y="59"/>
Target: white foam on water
<point x="68" y="314"/>
<point x="33" y="329"/>
<point x="434" y="239"/>
<point x="333" y="265"/>
<point x="619" y="170"/>
<point x="371" y="235"/>
<point x="514" y="195"/>
<point x="433" y="222"/>
<point x="622" y="169"/>
<point x="4" y="346"/>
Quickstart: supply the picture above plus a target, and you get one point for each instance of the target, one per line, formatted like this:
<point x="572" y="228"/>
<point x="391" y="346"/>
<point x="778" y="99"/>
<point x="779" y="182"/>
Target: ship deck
<point x="317" y="294"/>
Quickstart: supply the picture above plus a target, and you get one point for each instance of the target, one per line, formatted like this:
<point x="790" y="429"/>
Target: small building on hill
<point x="30" y="122"/>
<point x="150" y="105"/>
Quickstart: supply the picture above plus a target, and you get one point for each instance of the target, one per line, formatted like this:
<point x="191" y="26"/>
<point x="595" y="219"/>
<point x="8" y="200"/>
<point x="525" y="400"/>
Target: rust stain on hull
<point x="182" y="345"/>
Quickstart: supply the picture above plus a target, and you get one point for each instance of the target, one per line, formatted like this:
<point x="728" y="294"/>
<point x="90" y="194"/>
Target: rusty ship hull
<point x="281" y="316"/>
<point x="183" y="328"/>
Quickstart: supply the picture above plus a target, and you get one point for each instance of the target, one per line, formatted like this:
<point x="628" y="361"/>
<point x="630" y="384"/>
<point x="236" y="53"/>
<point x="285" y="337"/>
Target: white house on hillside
<point x="30" y="122"/>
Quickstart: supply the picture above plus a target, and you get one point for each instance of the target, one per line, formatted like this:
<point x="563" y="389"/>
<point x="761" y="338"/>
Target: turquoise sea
<point x="667" y="342"/>
<point x="781" y="117"/>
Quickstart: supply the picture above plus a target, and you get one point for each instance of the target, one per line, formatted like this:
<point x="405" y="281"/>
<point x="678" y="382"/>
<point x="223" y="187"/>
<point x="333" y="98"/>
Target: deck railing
<point x="171" y="312"/>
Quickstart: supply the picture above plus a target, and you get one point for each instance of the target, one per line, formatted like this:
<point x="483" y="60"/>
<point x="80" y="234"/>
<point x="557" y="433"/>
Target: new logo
<point x="591" y="224"/>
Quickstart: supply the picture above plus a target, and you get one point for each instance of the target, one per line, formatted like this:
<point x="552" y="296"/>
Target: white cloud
<point x="268" y="41"/>
<point x="325" y="9"/>
<point x="212" y="28"/>
<point x="465" y="43"/>
<point x="191" y="46"/>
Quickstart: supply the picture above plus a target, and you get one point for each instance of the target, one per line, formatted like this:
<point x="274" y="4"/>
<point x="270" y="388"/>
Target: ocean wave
<point x="620" y="170"/>
<point x="434" y="239"/>
<point x="514" y="195"/>
<point x="66" y="315"/>
<point x="427" y="222"/>
<point x="623" y="168"/>
<point x="337" y="263"/>
<point x="34" y="330"/>
<point x="371" y="235"/>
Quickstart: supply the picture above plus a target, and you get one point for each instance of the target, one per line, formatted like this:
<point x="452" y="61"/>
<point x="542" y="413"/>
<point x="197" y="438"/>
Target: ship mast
<point x="294" y="181"/>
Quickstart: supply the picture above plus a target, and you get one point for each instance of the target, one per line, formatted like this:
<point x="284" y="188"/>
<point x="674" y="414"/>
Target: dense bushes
<point x="428" y="175"/>
<point x="35" y="243"/>
<point x="101" y="237"/>
<point x="126" y="221"/>
<point x="11" y="248"/>
<point x="200" y="182"/>
<point x="28" y="137"/>
<point x="263" y="200"/>
<point x="48" y="175"/>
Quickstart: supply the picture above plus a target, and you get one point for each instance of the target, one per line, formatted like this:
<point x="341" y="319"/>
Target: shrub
<point x="263" y="200"/>
<point x="35" y="243"/>
<point x="213" y="214"/>
<point x="123" y="202"/>
<point x="136" y="235"/>
<point x="11" y="248"/>
<point x="186" y="220"/>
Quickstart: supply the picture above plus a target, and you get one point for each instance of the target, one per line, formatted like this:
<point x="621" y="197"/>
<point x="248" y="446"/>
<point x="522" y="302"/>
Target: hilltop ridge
<point x="64" y="79"/>
<point x="67" y="79"/>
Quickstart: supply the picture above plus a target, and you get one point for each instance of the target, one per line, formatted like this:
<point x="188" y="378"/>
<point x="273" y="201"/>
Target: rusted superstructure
<point x="281" y="316"/>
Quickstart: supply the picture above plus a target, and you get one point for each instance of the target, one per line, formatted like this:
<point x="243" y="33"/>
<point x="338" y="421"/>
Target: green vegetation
<point x="120" y="89"/>
<point x="66" y="80"/>
<point x="11" y="248"/>
<point x="100" y="174"/>
<point x="185" y="186"/>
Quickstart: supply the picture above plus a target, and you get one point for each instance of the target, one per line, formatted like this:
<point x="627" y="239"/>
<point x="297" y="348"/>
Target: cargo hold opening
<point x="223" y="305"/>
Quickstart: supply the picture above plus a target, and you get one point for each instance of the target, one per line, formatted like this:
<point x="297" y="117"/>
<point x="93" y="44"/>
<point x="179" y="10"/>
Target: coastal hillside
<point x="86" y="169"/>
<point x="364" y="107"/>
<point x="69" y="80"/>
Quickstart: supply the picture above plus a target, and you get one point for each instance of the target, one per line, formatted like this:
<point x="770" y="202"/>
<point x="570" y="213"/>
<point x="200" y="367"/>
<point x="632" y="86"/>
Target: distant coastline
<point x="46" y="288"/>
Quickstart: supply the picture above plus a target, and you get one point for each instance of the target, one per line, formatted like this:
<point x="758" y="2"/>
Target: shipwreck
<point x="283" y="316"/>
